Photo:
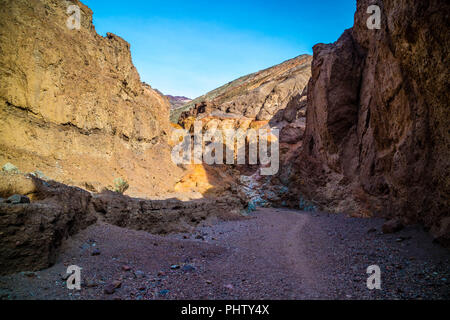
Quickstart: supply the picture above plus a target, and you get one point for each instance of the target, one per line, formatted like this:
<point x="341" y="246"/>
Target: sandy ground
<point x="276" y="254"/>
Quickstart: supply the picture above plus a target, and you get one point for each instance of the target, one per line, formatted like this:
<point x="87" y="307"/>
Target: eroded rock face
<point x="165" y="216"/>
<point x="258" y="96"/>
<point x="72" y="104"/>
<point x="31" y="233"/>
<point x="263" y="100"/>
<point x="377" y="138"/>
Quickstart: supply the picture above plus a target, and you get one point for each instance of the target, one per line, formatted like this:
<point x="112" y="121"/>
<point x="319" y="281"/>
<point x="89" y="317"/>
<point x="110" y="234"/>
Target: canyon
<point x="363" y="139"/>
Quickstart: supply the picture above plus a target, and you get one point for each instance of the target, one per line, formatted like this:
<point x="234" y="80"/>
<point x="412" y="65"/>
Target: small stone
<point x="17" y="199"/>
<point x="30" y="274"/>
<point x="392" y="226"/>
<point x="208" y="281"/>
<point x="109" y="289"/>
<point x="175" y="267"/>
<point x="84" y="246"/>
<point x="39" y="174"/>
<point x="90" y="284"/>
<point x="401" y="239"/>
<point x="126" y="268"/>
<point x="95" y="252"/>
<point x="163" y="293"/>
<point x="161" y="274"/>
<point x="9" y="167"/>
<point x="372" y="230"/>
<point x="142" y="288"/>
<point x="199" y="237"/>
<point x="229" y="286"/>
<point x="188" y="268"/>
<point x="140" y="274"/>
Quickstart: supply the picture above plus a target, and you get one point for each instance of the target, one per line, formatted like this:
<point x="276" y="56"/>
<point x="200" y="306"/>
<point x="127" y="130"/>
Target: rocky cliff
<point x="72" y="104"/>
<point x="73" y="110"/>
<point x="377" y="134"/>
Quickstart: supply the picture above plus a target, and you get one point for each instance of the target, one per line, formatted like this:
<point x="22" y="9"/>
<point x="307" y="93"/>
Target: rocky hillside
<point x="257" y="96"/>
<point x="377" y="138"/>
<point x="177" y="102"/>
<point x="72" y="104"/>
<point x="73" y="111"/>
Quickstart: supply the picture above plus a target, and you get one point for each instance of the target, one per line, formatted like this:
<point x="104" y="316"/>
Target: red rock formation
<point x="377" y="136"/>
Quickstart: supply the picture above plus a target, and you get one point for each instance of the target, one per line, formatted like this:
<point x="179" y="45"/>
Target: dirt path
<point x="276" y="254"/>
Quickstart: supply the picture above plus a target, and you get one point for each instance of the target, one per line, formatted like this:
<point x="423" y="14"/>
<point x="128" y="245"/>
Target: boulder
<point x="31" y="233"/>
<point x="16" y="183"/>
<point x="17" y="199"/>
<point x="392" y="226"/>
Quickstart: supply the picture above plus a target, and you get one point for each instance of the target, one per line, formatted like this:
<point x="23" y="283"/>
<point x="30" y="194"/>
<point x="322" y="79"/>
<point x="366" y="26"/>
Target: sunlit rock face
<point x="72" y="104"/>
<point x="377" y="136"/>
<point x="257" y="96"/>
<point x="265" y="100"/>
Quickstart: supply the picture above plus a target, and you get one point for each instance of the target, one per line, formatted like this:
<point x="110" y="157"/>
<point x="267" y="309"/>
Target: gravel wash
<point x="274" y="254"/>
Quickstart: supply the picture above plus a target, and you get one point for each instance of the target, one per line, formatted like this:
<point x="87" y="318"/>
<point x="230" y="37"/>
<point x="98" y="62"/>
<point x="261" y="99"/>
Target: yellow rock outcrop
<point x="72" y="104"/>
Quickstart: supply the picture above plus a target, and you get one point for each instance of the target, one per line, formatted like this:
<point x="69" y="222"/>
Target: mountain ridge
<point x="247" y="84"/>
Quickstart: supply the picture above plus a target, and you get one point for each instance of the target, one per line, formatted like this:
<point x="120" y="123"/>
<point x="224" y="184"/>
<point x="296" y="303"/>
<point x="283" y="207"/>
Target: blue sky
<point x="191" y="47"/>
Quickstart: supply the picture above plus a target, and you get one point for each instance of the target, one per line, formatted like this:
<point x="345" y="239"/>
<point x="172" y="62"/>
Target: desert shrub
<point x="120" y="185"/>
<point x="9" y="167"/>
<point x="251" y="207"/>
<point x="305" y="205"/>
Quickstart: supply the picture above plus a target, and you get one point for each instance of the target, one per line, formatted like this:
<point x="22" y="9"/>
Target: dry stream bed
<point x="276" y="254"/>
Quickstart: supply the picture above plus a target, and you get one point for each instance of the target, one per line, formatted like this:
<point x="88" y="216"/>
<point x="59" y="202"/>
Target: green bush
<point x="307" y="206"/>
<point x="9" y="167"/>
<point x="120" y="185"/>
